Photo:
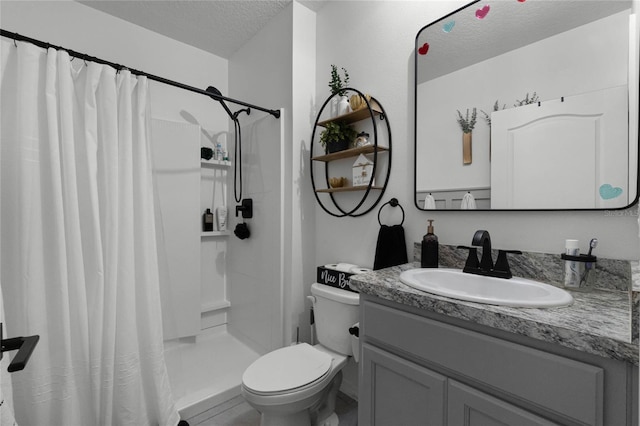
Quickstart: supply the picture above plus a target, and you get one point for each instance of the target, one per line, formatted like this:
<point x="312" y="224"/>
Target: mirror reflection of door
<point x="568" y="153"/>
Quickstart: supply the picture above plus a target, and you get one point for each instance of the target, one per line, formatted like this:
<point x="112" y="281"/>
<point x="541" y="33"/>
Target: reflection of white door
<point x="570" y="153"/>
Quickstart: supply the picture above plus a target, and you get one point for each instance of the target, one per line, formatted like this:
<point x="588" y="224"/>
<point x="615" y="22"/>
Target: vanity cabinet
<point x="423" y="368"/>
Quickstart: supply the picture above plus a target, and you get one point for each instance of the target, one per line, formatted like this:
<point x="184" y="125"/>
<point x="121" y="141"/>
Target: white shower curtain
<point x="77" y="247"/>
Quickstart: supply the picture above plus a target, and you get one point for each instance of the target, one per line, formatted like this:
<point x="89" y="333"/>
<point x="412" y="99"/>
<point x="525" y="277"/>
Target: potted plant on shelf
<point x="467" y="124"/>
<point x="337" y="136"/>
<point x="338" y="84"/>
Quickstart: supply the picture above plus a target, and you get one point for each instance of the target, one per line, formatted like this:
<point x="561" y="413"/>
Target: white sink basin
<point x="514" y="292"/>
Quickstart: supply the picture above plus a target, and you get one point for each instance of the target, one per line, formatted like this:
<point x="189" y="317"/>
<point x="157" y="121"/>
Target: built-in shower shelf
<point x="212" y="234"/>
<point x="215" y="306"/>
<point x="215" y="163"/>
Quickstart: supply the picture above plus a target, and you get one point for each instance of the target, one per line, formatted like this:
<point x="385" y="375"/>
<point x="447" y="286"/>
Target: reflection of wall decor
<point x="527" y="101"/>
<point x="448" y="27"/>
<point x="467" y="124"/>
<point x="608" y="192"/>
<point x="483" y="12"/>
<point x="423" y="49"/>
<point x="496" y="107"/>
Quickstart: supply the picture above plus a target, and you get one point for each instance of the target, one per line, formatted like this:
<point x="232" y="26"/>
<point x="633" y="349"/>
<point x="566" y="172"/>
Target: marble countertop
<point x="598" y="321"/>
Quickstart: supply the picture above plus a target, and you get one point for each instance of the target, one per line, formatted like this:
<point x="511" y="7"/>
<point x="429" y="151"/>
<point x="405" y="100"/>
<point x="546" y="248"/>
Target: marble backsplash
<point x="610" y="274"/>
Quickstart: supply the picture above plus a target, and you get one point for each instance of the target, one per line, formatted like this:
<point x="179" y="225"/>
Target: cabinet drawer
<point x="564" y="386"/>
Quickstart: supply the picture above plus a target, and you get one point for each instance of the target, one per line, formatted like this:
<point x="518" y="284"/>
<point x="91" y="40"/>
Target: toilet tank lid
<point x="335" y="294"/>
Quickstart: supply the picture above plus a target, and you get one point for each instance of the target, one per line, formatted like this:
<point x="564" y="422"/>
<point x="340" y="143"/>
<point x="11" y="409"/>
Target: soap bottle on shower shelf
<point x="207" y="221"/>
<point x="219" y="154"/>
<point x="221" y="212"/>
<point x="429" y="255"/>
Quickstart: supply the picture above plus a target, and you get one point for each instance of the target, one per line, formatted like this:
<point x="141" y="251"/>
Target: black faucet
<point x="482" y="238"/>
<point x="485" y="266"/>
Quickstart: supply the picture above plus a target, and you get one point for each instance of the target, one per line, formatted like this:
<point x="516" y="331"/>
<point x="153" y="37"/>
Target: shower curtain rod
<point x="83" y="56"/>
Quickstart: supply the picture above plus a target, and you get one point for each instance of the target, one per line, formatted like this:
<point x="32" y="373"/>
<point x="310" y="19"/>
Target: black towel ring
<point x="393" y="202"/>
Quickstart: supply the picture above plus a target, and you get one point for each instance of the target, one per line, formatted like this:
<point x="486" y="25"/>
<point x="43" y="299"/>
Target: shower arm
<point x="217" y="96"/>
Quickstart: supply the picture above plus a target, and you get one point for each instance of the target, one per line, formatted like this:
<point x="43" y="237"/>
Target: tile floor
<point x="236" y="412"/>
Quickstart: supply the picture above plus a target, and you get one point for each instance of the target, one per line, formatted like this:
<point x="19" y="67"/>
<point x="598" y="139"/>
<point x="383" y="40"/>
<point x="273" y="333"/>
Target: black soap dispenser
<point x="429" y="257"/>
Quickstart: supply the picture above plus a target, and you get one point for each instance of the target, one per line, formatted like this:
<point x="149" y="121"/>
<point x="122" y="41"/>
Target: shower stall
<point x="222" y="296"/>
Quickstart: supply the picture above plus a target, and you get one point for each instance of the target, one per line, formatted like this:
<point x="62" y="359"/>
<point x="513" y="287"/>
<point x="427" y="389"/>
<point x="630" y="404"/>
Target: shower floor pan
<point x="207" y="370"/>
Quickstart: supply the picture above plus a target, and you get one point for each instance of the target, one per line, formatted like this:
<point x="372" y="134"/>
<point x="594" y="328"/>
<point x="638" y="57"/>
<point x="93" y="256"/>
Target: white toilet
<point x="297" y="385"/>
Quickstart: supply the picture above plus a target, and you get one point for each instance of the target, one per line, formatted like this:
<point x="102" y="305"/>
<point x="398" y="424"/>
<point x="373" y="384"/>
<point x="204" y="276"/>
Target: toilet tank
<point x="334" y="311"/>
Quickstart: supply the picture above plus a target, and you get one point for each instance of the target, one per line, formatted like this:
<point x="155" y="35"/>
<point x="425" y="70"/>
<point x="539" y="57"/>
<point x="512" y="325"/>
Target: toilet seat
<point x="286" y="369"/>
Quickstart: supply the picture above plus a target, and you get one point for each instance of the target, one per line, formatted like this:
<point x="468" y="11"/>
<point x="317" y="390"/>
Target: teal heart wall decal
<point x="608" y="192"/>
<point x="448" y="26"/>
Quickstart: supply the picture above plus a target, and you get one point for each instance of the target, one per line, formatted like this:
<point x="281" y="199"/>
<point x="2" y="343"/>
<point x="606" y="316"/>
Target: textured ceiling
<point x="220" y="27"/>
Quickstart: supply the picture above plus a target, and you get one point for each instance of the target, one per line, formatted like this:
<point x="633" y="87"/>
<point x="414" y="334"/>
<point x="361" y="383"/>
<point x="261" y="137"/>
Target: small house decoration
<point x="363" y="171"/>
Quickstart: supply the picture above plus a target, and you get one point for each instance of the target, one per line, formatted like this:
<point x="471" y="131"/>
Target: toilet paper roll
<point x="342" y="267"/>
<point x="345" y="267"/>
<point x="360" y="270"/>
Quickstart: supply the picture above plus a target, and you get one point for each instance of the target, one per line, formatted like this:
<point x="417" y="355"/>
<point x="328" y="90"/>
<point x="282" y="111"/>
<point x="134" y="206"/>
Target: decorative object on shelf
<point x="206" y="153"/>
<point x="362" y="140"/>
<point x="343" y="106"/>
<point x="338" y="182"/>
<point x="357" y="102"/>
<point x="337" y="136"/>
<point x="338" y="86"/>
<point x="467" y="124"/>
<point x="363" y="171"/>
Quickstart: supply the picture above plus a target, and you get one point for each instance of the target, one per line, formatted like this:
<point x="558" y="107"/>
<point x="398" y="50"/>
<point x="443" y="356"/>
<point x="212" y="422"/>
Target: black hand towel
<point x="391" y="249"/>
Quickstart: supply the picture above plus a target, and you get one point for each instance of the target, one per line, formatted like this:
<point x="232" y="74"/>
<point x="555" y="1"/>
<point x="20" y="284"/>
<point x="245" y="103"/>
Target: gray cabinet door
<point x="394" y="391"/>
<point x="471" y="407"/>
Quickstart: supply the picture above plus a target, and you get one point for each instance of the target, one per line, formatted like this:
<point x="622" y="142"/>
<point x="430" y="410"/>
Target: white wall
<point x="83" y="29"/>
<point x="375" y="42"/>
<point x="260" y="73"/>
<point x="300" y="208"/>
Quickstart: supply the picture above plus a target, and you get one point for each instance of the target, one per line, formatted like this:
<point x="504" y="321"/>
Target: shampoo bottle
<point x="429" y="257"/>
<point x="207" y="221"/>
<point x="222" y="218"/>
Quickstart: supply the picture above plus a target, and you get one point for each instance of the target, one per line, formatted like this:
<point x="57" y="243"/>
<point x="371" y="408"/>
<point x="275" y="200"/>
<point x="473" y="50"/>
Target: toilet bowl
<point x="287" y="386"/>
<point x="297" y="385"/>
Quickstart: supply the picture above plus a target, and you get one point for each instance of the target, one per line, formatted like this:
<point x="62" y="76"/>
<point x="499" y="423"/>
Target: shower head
<point x="216" y="97"/>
